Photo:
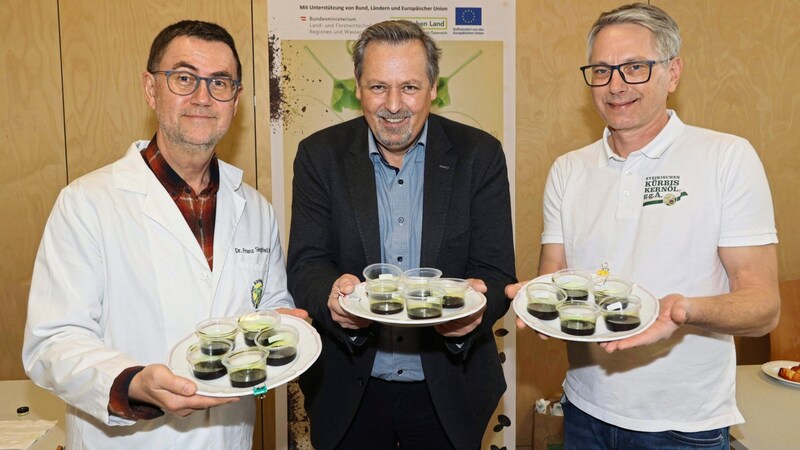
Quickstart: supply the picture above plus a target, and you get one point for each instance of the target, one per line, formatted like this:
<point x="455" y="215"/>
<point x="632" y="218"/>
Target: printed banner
<point x="312" y="86"/>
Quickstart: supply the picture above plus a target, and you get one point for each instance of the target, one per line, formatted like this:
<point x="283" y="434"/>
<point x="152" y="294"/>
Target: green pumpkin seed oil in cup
<point x="281" y="344"/>
<point x="217" y="329"/>
<point x="246" y="367"/>
<point x="455" y="291"/>
<point x="611" y="285"/>
<point x="576" y="283"/>
<point x="205" y="364"/>
<point x="621" y="313"/>
<point x="252" y="323"/>
<point x="424" y="302"/>
<point x="543" y="299"/>
<point x="578" y="317"/>
<point x="384" y="296"/>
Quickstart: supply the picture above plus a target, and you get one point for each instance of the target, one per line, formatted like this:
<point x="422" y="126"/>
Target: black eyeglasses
<point x="634" y="72"/>
<point x="180" y="82"/>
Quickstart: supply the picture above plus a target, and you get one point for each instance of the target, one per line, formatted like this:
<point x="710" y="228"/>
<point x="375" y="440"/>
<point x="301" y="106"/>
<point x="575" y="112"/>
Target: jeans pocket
<point x="701" y="439"/>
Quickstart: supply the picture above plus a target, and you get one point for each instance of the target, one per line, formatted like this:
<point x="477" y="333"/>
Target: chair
<point x="751" y="350"/>
<point x="785" y="338"/>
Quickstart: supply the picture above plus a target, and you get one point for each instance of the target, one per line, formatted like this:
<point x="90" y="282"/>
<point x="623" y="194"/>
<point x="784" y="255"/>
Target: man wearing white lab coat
<point x="135" y="254"/>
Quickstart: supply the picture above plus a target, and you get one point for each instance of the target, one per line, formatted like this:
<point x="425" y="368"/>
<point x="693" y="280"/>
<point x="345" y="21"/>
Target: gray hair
<point x="397" y="32"/>
<point x="663" y="27"/>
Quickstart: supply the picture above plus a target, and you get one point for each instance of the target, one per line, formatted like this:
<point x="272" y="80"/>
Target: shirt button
<point x="626" y="194"/>
<point x="399" y="181"/>
<point x="399" y="259"/>
<point x="400" y="372"/>
<point x="401" y="219"/>
<point x="627" y="172"/>
<point x="187" y="190"/>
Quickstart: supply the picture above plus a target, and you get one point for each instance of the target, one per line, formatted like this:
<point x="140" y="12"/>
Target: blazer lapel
<point x="440" y="166"/>
<point x="363" y="195"/>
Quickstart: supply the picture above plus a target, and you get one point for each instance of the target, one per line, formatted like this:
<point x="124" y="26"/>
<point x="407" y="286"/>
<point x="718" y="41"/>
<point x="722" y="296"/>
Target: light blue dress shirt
<point x="400" y="218"/>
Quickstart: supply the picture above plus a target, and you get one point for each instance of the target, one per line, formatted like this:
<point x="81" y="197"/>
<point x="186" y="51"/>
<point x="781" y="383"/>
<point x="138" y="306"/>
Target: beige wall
<point x="740" y="60"/>
<point x="33" y="155"/>
<point x="71" y="102"/>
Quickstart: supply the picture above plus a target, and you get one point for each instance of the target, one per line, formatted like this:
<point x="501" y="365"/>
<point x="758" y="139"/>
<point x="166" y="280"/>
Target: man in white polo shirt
<point x="685" y="212"/>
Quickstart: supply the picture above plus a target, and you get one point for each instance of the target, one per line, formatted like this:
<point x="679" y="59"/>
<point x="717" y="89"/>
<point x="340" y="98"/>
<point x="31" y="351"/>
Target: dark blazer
<point x="466" y="232"/>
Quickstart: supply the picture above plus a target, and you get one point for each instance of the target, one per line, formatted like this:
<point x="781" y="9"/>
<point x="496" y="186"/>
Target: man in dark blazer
<point x="403" y="186"/>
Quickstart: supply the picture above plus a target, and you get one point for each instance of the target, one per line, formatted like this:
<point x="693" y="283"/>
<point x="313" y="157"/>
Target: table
<point x="42" y="404"/>
<point x="770" y="409"/>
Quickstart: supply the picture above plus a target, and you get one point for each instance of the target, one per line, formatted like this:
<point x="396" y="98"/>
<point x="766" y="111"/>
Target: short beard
<point x="177" y="138"/>
<point x="393" y="140"/>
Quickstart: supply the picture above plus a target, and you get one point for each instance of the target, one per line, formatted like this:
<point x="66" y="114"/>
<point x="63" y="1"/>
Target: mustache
<point x="385" y="114"/>
<point x="200" y="113"/>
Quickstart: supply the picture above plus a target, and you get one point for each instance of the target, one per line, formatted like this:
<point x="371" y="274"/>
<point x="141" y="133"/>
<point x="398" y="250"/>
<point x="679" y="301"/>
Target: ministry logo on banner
<point x="469" y="16"/>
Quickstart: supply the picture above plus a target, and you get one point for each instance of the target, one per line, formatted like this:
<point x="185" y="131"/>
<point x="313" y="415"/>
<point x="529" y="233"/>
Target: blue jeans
<point x="584" y="432"/>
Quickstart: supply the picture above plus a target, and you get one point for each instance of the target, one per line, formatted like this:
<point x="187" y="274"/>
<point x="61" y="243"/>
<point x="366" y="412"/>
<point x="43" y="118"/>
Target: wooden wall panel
<point x="554" y="115"/>
<point x="741" y="60"/>
<point x="261" y="128"/>
<point x="105" y="49"/>
<point x="261" y="92"/>
<point x="32" y="173"/>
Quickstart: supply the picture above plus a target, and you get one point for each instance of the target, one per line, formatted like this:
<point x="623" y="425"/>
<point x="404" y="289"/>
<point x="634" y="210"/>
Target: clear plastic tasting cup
<point x="205" y="358"/>
<point x="621" y="313"/>
<point x="382" y="271"/>
<point x="384" y="296"/>
<point x="281" y="343"/>
<point x="252" y="323"/>
<point x="543" y="298"/>
<point x="421" y="276"/>
<point x="217" y="328"/>
<point x="423" y="302"/>
<point x="576" y="283"/>
<point x="578" y="317"/>
<point x="246" y="367"/>
<point x="206" y="363"/>
<point x="611" y="285"/>
<point x="455" y="291"/>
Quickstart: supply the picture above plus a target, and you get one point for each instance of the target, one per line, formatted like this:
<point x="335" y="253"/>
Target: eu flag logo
<point x="468" y="16"/>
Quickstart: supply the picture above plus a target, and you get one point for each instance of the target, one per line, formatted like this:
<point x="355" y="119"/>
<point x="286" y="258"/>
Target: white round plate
<point x="357" y="304"/>
<point x="308" y="349"/>
<point x="771" y="369"/>
<point x="552" y="328"/>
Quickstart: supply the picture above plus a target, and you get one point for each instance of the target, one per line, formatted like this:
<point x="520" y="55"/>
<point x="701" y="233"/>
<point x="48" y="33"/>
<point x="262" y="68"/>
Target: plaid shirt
<point x="199" y="210"/>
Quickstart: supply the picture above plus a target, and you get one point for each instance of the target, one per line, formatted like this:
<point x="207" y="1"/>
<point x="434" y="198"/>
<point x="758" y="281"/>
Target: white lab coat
<point x="119" y="279"/>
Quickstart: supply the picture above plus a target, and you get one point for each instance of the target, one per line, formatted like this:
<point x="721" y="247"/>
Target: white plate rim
<point x="309" y="348"/>
<point x="771" y="369"/>
<point x="354" y="304"/>
<point x="520" y="304"/>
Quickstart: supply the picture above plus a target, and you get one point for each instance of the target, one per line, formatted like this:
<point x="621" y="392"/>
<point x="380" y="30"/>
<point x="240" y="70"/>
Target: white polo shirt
<point x="658" y="217"/>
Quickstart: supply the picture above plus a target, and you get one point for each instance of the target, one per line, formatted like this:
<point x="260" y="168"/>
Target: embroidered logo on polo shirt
<point x="663" y="190"/>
